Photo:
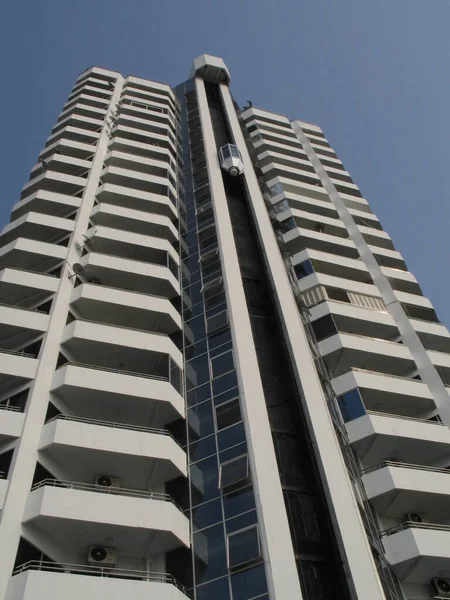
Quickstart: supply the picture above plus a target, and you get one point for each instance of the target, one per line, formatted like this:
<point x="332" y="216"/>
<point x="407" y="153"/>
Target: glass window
<point x="228" y="414"/>
<point x="234" y="151"/>
<point x="287" y="225"/>
<point x="281" y="206"/>
<point x="231" y="436"/>
<point x="219" y="590"/>
<point x="224" y="383"/>
<point x="217" y="322"/>
<point x="207" y="514"/>
<point x="222" y="364"/>
<point x="250" y="583"/>
<point x="303" y="269"/>
<point x="238" y="502"/>
<point x="234" y="472"/>
<point x="243" y="547"/>
<point x="210" y="554"/>
<point x="225" y="151"/>
<point x="324" y="327"/>
<point x="351" y="405"/>
<point x="337" y="294"/>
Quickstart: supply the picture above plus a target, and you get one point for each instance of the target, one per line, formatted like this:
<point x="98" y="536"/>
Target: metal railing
<point x="111" y="490"/>
<point x="111" y="424"/>
<point x="395" y="463"/>
<point x="12" y="408"/>
<point x="16" y="353"/>
<point x="111" y="370"/>
<point x="403" y="417"/>
<point x="379" y="373"/>
<point x="414" y="525"/>
<point x="99" y="571"/>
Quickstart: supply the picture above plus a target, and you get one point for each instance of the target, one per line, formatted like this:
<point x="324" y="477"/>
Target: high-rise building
<point x="218" y="378"/>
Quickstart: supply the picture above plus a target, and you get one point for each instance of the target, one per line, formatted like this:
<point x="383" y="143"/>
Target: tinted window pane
<point x="303" y="269"/>
<point x="243" y="547"/>
<point x="222" y="364"/>
<point x="216" y="590"/>
<point x="351" y="405"/>
<point x="234" y="472"/>
<point x="228" y="414"/>
<point x="238" y="502"/>
<point x="207" y="514"/>
<point x="210" y="551"/>
<point x="249" y="583"/>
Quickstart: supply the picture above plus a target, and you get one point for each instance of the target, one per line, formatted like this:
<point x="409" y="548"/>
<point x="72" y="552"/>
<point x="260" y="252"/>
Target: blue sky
<point x="374" y="74"/>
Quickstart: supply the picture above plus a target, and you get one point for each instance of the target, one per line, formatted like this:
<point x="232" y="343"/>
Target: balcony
<point x="131" y="275"/>
<point x="91" y="90"/>
<point x="160" y="167"/>
<point x="31" y="255"/>
<point x="336" y="266"/>
<point x="68" y="148"/>
<point x="344" y="351"/>
<point x="88" y="100"/>
<point x="115" y="347"/>
<point x="11" y="424"/>
<point x="142" y="149"/>
<point x="402" y="281"/>
<point x="138" y="456"/>
<point x="20" y="326"/>
<point x="4" y="483"/>
<point x="298" y="239"/>
<point x="108" y="394"/>
<point x="291" y="186"/>
<point x="84" y="110"/>
<point x="383" y="392"/>
<point x="134" y="221"/>
<point x="61" y="183"/>
<point x="36" y="226"/>
<point x="376" y="437"/>
<point x="388" y="258"/>
<point x="333" y="281"/>
<point x="76" y="134"/>
<point x="419" y="551"/>
<point x="315" y="207"/>
<point x="16" y="368"/>
<point x="26" y="288"/>
<point x="144" y="182"/>
<point x="349" y="318"/>
<point x="67" y="165"/>
<point x="395" y="488"/>
<point x="377" y="237"/>
<point x="136" y="200"/>
<point x="127" y="309"/>
<point x="434" y="336"/>
<point x="75" y="516"/>
<point x="132" y="134"/>
<point x="125" y="244"/>
<point x="441" y="360"/>
<point x="49" y="203"/>
<point x="53" y="581"/>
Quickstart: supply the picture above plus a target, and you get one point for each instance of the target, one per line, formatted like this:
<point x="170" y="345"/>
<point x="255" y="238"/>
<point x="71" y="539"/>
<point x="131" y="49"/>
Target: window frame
<point x="246" y="563"/>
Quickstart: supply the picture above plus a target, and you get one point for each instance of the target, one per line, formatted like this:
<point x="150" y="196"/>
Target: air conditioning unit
<point x="106" y="481"/>
<point x="441" y="587"/>
<point x="102" y="556"/>
<point x="414" y="517"/>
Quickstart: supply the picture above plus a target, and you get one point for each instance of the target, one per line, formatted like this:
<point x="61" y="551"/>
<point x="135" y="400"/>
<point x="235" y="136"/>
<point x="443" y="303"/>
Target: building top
<point x="210" y="68"/>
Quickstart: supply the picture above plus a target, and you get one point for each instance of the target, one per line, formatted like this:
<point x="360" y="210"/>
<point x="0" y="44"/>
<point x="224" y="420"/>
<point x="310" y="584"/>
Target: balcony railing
<point x="404" y="418"/>
<point x="110" y="370"/>
<point x="359" y="370"/>
<point x="413" y="524"/>
<point x="17" y="353"/>
<point x="13" y="408"/>
<point x="394" y="463"/>
<point x="114" y="491"/>
<point x="99" y="571"/>
<point x="108" y="424"/>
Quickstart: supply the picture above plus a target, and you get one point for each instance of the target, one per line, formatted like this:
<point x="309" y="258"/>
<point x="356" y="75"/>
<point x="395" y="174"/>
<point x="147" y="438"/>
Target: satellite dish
<point x="78" y="268"/>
